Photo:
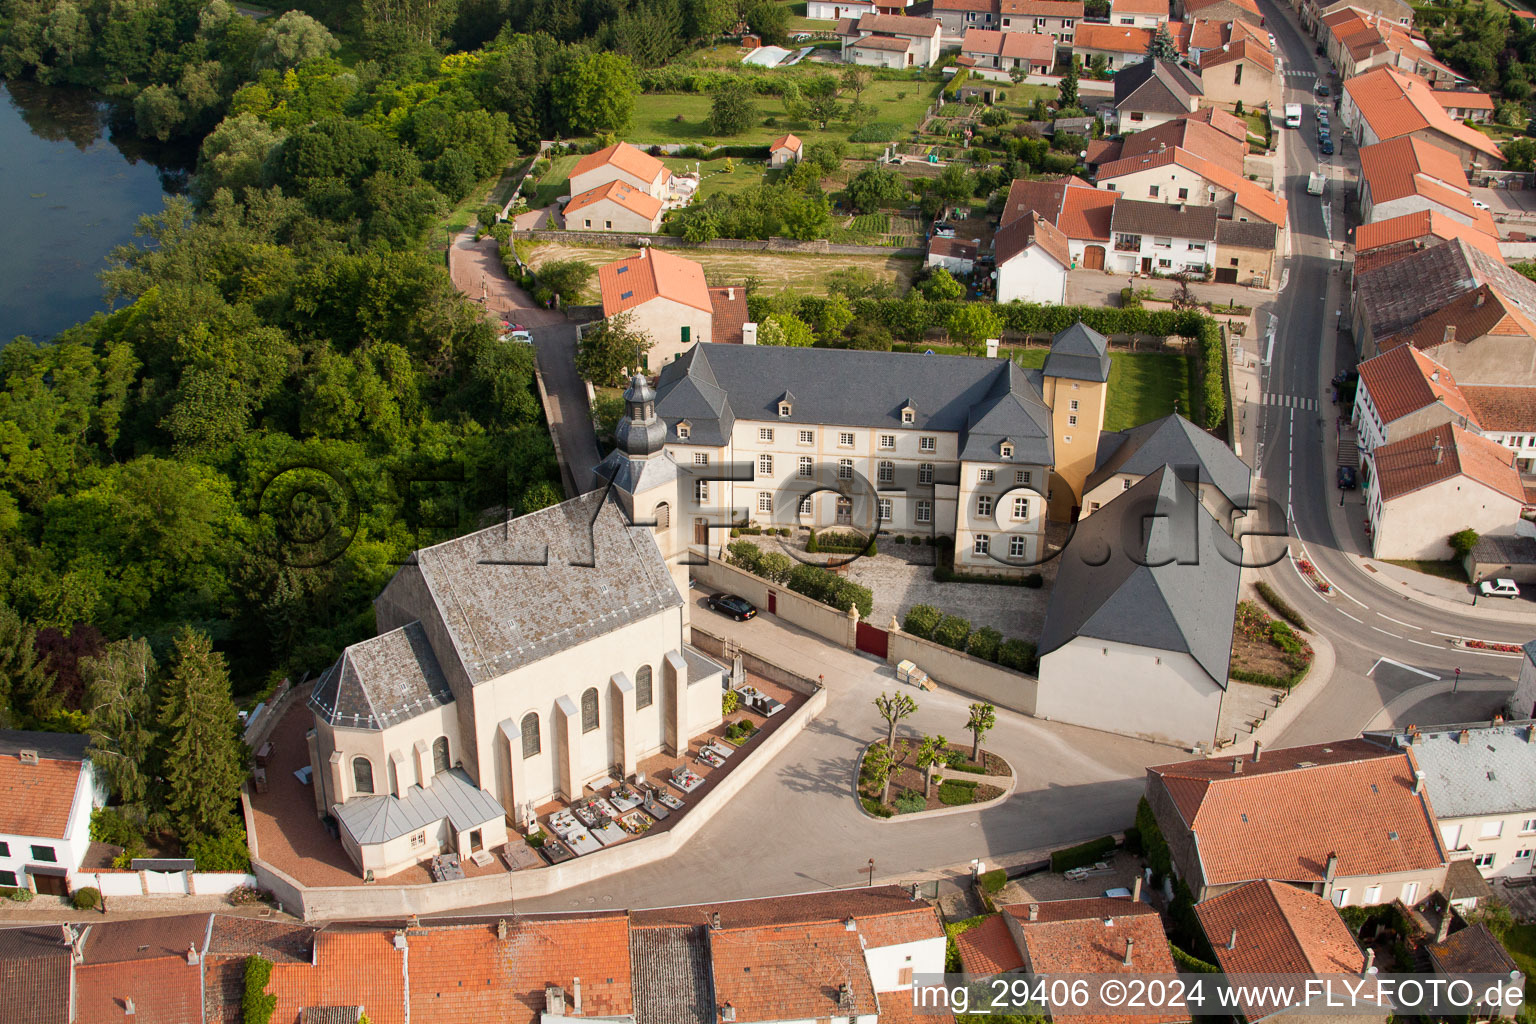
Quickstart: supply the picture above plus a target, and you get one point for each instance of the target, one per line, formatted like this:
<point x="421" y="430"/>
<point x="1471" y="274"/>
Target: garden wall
<point x="134" y="883"/>
<point x="974" y="677"/>
<point x="796" y="609"/>
<point x="716" y="647"/>
<point x="318" y="903"/>
<point x="819" y="246"/>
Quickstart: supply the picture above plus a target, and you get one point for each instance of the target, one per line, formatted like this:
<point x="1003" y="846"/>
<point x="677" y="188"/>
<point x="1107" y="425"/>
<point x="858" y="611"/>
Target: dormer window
<point x="1007" y="450"/>
<point x="784" y="410"/>
<point x="908" y="416"/>
<point x="683" y="430"/>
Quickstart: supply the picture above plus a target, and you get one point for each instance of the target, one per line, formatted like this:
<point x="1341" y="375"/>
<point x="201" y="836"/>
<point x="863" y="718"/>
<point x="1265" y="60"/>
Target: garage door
<point x="1226" y="275"/>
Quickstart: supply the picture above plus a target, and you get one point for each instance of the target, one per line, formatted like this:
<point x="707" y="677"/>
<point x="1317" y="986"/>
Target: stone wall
<point x="965" y="674"/>
<point x="819" y="246"/>
<point x="796" y="609"/>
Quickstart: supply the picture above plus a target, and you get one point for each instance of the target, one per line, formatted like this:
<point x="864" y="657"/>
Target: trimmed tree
<point x="879" y="766"/>
<point x="972" y="323"/>
<point x="202" y="757"/>
<point x="983" y="718"/>
<point x="1463" y="541"/>
<point x="933" y="752"/>
<point x="893" y="707"/>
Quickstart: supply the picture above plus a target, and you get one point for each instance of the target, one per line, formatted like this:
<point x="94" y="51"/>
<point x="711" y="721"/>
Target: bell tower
<point x="1075" y="384"/>
<point x="643" y="477"/>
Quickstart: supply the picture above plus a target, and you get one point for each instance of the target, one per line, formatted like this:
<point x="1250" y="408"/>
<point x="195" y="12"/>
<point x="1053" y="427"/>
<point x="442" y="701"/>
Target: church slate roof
<point x="712" y="386"/>
<point x="1173" y="441"/>
<point x="1136" y="572"/>
<point x="382" y="681"/>
<point x="521" y="591"/>
<point x="379" y="819"/>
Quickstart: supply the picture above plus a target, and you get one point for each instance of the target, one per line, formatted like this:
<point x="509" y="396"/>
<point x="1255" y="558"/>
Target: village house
<point x="1188" y="133"/>
<point x="1148" y="92"/>
<point x="1222" y="481"/>
<point x="1471" y="951"/>
<point x="1312" y="12"/>
<point x="1481" y="777"/>
<point x="1384" y="241"/>
<point x="1422" y="489"/>
<point x="1385" y="103"/>
<point x="1220" y="10"/>
<point x="1241" y="72"/>
<point x="1206" y="35"/>
<point x="1347" y="820"/>
<point x="1080" y="211"/>
<point x="624" y="163"/>
<point x="1138" y="629"/>
<point x="1404" y="392"/>
<point x="616" y="206"/>
<point x="1246" y="251"/>
<point x="961" y="16"/>
<point x="665" y="297"/>
<point x="51" y="789"/>
<point x="1032" y="258"/>
<point x="889" y="40"/>
<point x="1120" y="46"/>
<point x="1476" y="107"/>
<point x="836" y="10"/>
<point x="953" y="254"/>
<point x="1161" y="238"/>
<point x="995" y="54"/>
<point x="1058" y="19"/>
<point x="1407" y="174"/>
<point x="1177" y="176"/>
<point x="976" y="449"/>
<point x="1138" y="13"/>
<point x="1357" y="42"/>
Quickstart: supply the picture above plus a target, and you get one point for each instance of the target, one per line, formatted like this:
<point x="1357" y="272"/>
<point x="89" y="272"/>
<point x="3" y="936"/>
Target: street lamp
<point x="871" y="871"/>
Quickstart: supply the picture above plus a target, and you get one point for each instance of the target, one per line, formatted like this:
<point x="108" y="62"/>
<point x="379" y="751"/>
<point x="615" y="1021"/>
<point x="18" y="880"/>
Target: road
<point x="1297" y="455"/>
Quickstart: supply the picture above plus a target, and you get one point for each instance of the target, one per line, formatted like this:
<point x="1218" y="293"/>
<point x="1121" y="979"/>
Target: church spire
<point x="640" y="432"/>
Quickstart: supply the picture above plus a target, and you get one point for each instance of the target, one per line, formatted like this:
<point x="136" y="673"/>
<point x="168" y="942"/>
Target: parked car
<point x="1322" y="90"/>
<point x="519" y="336"/>
<point x="738" y="608"/>
<point x="1498" y="588"/>
<point x="1347" y="480"/>
<point x="1326" y="146"/>
<point x="1481" y="205"/>
<point x="1322" y="113"/>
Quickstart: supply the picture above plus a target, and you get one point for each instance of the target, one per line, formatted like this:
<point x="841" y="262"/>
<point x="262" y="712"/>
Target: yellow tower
<point x="1076" y="386"/>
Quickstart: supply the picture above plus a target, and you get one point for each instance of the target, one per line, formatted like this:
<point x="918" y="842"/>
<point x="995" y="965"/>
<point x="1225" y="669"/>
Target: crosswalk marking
<point x="1291" y="401"/>
<point x="1298" y="73"/>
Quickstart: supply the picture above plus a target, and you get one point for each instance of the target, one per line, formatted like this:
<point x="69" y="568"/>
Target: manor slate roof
<point x="982" y="400"/>
<point x="1078" y="353"/>
<point x="1173" y="441"/>
<point x="379" y="819"/>
<point x="1476" y="769"/>
<point x="1136" y="572"/>
<point x="382" y="681"/>
<point x="521" y="591"/>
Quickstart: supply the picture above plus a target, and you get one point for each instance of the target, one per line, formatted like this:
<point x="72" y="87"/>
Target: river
<point x="70" y="191"/>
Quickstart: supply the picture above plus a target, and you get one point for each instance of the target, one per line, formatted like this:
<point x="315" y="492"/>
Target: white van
<point x="1293" y="115"/>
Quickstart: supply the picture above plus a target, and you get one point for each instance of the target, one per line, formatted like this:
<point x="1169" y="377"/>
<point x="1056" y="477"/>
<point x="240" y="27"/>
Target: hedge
<point x="1243" y="675"/>
<point x="1019" y="655"/>
<point x="1082" y="855"/>
<point x="952" y="631"/>
<point x="1191" y="963"/>
<point x="984" y="643"/>
<point x="1281" y="606"/>
<point x="992" y="882"/>
<point x="818" y="584"/>
<point x="920" y="620"/>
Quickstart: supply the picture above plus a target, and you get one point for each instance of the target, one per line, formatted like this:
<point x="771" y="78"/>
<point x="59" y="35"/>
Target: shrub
<point x="984" y="643"/>
<point x="111" y="826"/>
<point x="812" y="545"/>
<point x="876" y="131"/>
<point x="729" y="702"/>
<point x="88" y="898"/>
<point x="256" y="1005"/>
<point x="900" y="539"/>
<point x="879" y="810"/>
<point x="225" y="852"/>
<point x="820" y="585"/>
<point x="775" y="566"/>
<point x="1463" y="541"/>
<point x="1281" y="606"/>
<point x="1034" y="581"/>
<point x="920" y="620"/>
<point x="1018" y="655"/>
<point x="952" y="631"/>
<point x="1082" y="855"/>
<point x="910" y="802"/>
<point x="1191" y="963"/>
<point x="245" y="895"/>
<point x="1154" y="847"/>
<point x="955" y="793"/>
<point x="22" y="895"/>
<point x="992" y="882"/>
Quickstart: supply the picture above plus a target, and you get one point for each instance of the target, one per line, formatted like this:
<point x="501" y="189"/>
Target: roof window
<point x="627" y="295"/>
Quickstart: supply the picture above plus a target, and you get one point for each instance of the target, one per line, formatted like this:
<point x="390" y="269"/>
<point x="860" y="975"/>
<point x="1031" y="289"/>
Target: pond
<point x="71" y="189"/>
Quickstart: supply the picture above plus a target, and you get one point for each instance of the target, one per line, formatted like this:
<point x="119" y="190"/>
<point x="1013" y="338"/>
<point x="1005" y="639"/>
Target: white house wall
<point x="1162" y="696"/>
<point x="1504" y="837"/>
<point x="1032" y="276"/>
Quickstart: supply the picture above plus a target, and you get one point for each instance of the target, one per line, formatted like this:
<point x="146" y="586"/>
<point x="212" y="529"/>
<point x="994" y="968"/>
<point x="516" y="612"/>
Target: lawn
<point x="1520" y="940"/>
<point x="714" y="176"/>
<point x="1143" y="386"/>
<point x="555" y="182"/>
<point x="1446" y="570"/>
<point x="772" y="271"/>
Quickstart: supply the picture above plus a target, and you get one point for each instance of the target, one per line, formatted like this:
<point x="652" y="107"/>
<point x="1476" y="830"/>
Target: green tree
<point x="565" y="278"/>
<point x="973" y="323"/>
<point x="710" y="18"/>
<point x="1066" y="95"/>
<point x="158" y="111"/>
<point x="1519" y="154"/>
<point x="610" y="349"/>
<point x="232" y="155"/>
<point x="1463" y="541"/>
<point x="818" y="102"/>
<point x="879" y="766"/>
<point x="983" y="718"/>
<point x="835" y="317"/>
<point x="731" y="110"/>
<point x="856" y="78"/>
<point x="1160" y="48"/>
<point x="769" y="21"/>
<point x="894" y="707"/>
<point x="121" y="686"/>
<point x="202" y="758"/>
<point x="594" y="94"/>
<point x="875" y="187"/>
<point x="932" y="753"/>
<point x="293" y="39"/>
<point x="26" y="688"/>
<point x="785" y="329"/>
<point x="911" y="317"/>
<point x="941" y="286"/>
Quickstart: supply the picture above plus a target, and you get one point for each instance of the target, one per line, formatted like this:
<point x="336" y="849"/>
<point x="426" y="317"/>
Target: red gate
<point x="873" y="640"/>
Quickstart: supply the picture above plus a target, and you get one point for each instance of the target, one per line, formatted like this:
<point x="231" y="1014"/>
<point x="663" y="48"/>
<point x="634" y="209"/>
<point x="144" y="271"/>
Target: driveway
<point x="570" y="417"/>
<point x="476" y="270"/>
<point x="796" y="827"/>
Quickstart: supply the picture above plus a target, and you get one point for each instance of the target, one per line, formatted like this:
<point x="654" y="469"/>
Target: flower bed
<point x="906" y="792"/>
<point x="1313" y="576"/>
<point x="1266" y="651"/>
<point x="1483" y="645"/>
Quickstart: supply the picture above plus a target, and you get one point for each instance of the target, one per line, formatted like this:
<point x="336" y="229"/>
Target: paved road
<point x="796" y="827"/>
<point x="1364" y="621"/>
<point x="570" y="418"/>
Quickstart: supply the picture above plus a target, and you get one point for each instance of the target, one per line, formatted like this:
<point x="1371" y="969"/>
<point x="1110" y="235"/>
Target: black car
<point x="1326" y="145"/>
<point x="1347" y="478"/>
<point x="738" y="608"/>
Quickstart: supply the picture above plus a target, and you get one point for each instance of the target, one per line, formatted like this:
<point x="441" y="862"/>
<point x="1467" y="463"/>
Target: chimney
<point x="714" y="921"/>
<point x="191" y="955"/>
<point x="1237" y="766"/>
<point x="1034" y="911"/>
<point x="1530" y="734"/>
<point x="1370" y="961"/>
<point x="1329" y="874"/>
<point x="845" y="996"/>
<point x="1462" y="737"/>
<point x="501" y="929"/>
<point x="727" y="1013"/>
<point x="1439" y="454"/>
<point x="749" y="334"/>
<point x="1130" y="944"/>
<point x="1257" y="750"/>
<point x="1232" y="939"/>
<point x="554" y="1000"/>
<point x="1136" y="890"/>
<point x="1444" y="931"/>
<point x="27" y="756"/>
<point x="413" y="922"/>
<point x="1449" y="336"/>
<point x="992" y="348"/>
<point x="1481" y="298"/>
<point x="731" y="294"/>
<point x="850" y="925"/>
<point x="576" y="996"/>
<point x="1418" y="782"/>
<point x="128" y="1008"/>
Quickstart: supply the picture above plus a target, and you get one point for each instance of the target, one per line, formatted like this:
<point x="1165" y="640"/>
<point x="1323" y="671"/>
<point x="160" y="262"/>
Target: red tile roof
<point x="1159" y="7"/>
<point x="1453" y="100"/>
<point x="1280" y="929"/>
<point x="145" y="938"/>
<point x="1112" y="38"/>
<point x="1502" y="408"/>
<point x="989" y="948"/>
<point x="952" y="247"/>
<point x="654" y="272"/>
<point x="1031" y="229"/>
<point x="1193" y="7"/>
<point x="1405" y="380"/>
<point x="34" y="976"/>
<point x="1250" y="195"/>
<point x="1088" y="936"/>
<point x="1401" y="167"/>
<point x="1414" y="463"/>
<point x="1243" y="49"/>
<point x="1394" y="104"/>
<point x="38" y="796"/>
<point x="1193" y="135"/>
<point x="1486" y="309"/>
<point x="165" y="990"/>
<point x="1076" y="207"/>
<point x="897" y="25"/>
<point x="626" y="158"/>
<point x="916" y="919"/>
<point x="1043" y="8"/>
<point x="1280" y="818"/>
<point x="1030" y="46"/>
<point x="1228" y="124"/>
<point x="790" y="972"/>
<point x="892" y="43"/>
<point x="730" y="309"/>
<point x="620" y="192"/>
<point x="1421" y="224"/>
<point x="353" y="967"/>
<point x="789" y="142"/>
